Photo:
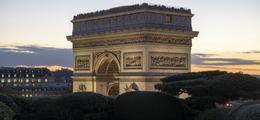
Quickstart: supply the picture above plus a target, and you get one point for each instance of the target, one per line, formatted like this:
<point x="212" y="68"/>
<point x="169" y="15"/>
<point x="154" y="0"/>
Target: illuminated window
<point x="9" y="75"/>
<point x="14" y="75"/>
<point x="3" y="75"/>
<point x="32" y="75"/>
<point x="39" y="80"/>
<point x="21" y="81"/>
<point x="27" y="80"/>
<point x="2" y="81"/>
<point x="8" y="80"/>
<point x="27" y="75"/>
<point x="46" y="80"/>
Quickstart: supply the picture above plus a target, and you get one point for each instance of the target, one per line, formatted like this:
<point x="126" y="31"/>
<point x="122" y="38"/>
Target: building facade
<point x="130" y="47"/>
<point x="31" y="82"/>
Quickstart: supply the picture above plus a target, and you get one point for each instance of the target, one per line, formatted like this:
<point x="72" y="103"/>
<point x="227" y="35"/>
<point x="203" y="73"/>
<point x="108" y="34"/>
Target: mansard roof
<point x="131" y="8"/>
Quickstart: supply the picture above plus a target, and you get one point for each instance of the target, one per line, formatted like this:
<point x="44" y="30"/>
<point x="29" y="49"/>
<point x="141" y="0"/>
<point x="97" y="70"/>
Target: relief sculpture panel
<point x="133" y="60"/>
<point x="82" y="62"/>
<point x="159" y="60"/>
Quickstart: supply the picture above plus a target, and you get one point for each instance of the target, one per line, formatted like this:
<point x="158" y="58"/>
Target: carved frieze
<point x="132" y="41"/>
<point x="82" y="62"/>
<point x="159" y="60"/>
<point x="133" y="60"/>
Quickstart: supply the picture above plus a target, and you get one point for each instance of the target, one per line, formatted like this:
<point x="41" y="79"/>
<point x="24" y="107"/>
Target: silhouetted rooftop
<point x="132" y="7"/>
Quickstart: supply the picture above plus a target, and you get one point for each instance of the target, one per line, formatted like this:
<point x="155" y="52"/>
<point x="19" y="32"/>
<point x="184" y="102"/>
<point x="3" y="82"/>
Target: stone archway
<point x="107" y="69"/>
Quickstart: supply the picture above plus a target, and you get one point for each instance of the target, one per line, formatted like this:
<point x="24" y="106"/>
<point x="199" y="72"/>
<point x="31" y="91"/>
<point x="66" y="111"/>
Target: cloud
<point x="252" y="52"/>
<point x="205" y="59"/>
<point x="47" y="56"/>
<point x="203" y="54"/>
<point x="35" y="55"/>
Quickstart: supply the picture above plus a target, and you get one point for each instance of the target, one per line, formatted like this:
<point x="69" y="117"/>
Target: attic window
<point x="168" y="19"/>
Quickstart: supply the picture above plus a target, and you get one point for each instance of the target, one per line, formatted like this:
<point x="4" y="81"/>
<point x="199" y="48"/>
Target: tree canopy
<point x="210" y="87"/>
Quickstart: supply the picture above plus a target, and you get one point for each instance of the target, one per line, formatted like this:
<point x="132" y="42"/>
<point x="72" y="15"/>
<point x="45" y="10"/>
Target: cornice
<point x="130" y="33"/>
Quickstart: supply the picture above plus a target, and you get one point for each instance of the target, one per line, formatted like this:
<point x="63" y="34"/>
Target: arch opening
<point x="106" y="76"/>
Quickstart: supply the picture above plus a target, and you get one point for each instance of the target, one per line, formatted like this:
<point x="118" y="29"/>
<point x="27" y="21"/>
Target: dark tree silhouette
<point x="208" y="88"/>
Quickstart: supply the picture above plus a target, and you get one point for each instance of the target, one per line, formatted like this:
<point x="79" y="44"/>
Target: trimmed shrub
<point x="6" y="113"/>
<point x="24" y="107"/>
<point x="214" y="114"/>
<point x="86" y="105"/>
<point x="44" y="109"/>
<point x="150" y="106"/>
<point x="7" y="100"/>
<point x="247" y="111"/>
<point x="77" y="106"/>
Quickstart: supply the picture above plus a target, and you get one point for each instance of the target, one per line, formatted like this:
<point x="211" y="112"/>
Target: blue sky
<point x="222" y="23"/>
<point x="35" y="29"/>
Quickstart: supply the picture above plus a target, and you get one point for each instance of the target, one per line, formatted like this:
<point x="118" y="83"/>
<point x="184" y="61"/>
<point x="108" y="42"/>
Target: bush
<point x="247" y="111"/>
<point x="214" y="114"/>
<point x="77" y="106"/>
<point x="150" y="106"/>
<point x="7" y="100"/>
<point x="211" y="87"/>
<point x="193" y="75"/>
<point x="24" y="107"/>
<point x="6" y="113"/>
<point x="44" y="109"/>
<point x="86" y="105"/>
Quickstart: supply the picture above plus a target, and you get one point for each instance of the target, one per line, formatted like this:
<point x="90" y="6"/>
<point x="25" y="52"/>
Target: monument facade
<point x="130" y="47"/>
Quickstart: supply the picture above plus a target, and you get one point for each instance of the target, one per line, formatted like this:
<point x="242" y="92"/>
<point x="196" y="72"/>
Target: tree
<point x="76" y="106"/>
<point x="208" y="88"/>
<point x="6" y="113"/>
<point x="144" y="105"/>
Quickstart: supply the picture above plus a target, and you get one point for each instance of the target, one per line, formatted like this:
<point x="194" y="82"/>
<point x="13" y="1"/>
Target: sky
<point x="229" y="37"/>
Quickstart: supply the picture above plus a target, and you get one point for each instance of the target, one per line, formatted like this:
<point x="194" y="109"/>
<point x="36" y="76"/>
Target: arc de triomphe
<point x="130" y="47"/>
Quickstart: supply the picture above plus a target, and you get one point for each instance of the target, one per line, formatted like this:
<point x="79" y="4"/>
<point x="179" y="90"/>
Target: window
<point x="168" y="19"/>
<point x="2" y="81"/>
<point x="3" y="75"/>
<point x="8" y="80"/>
<point x="46" y="80"/>
<point x="39" y="80"/>
<point x="14" y="75"/>
<point x="27" y="80"/>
